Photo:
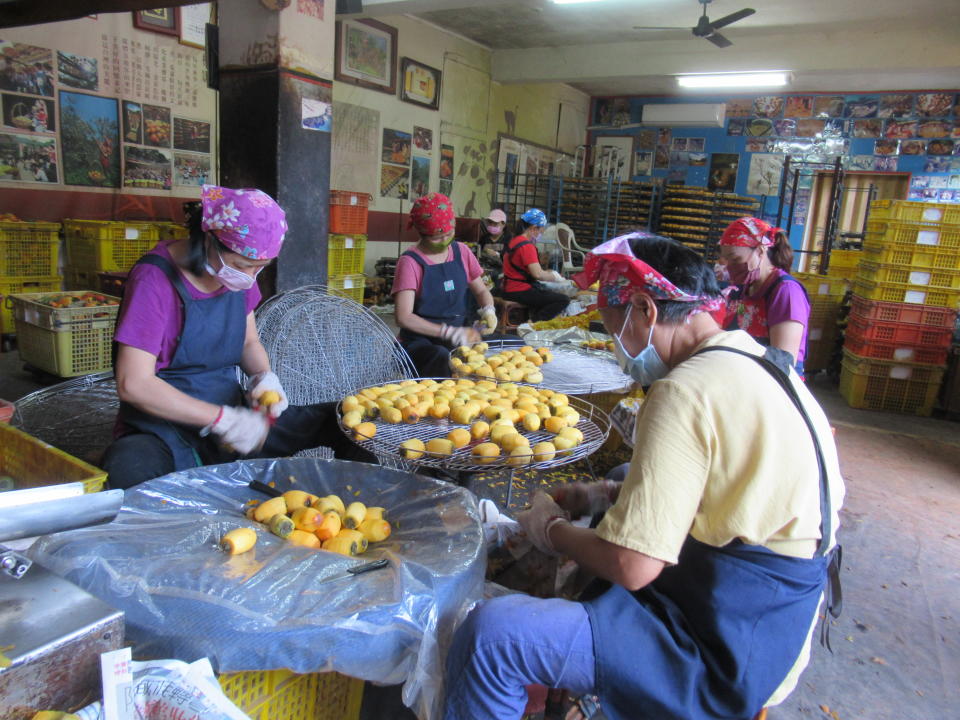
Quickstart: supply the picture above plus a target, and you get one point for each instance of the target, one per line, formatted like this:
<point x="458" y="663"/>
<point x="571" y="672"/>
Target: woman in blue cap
<point x="522" y="272"/>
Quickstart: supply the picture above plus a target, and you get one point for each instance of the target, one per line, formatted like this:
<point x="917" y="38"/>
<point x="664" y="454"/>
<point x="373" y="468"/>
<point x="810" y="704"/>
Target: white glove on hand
<point x="542" y="515"/>
<point x="557" y="277"/>
<point x="259" y="384"/>
<point x="457" y="336"/>
<point x="241" y="429"/>
<point x="488" y="316"/>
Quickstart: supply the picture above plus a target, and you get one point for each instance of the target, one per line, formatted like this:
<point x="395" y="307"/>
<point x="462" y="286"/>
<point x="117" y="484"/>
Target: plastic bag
<point x="265" y="609"/>
<point x="165" y="689"/>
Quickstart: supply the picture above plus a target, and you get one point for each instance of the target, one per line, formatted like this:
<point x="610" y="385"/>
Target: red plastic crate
<point x="348" y="212"/>
<point x="938" y="317"/>
<point x="898" y="333"/>
<point x="895" y="352"/>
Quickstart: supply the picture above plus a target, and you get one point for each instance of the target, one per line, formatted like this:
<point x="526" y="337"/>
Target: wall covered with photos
<point x="101" y="106"/>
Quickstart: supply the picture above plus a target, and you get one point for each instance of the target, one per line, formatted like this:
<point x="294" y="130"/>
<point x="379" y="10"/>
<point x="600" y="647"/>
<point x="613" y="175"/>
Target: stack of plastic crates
<point x="346" y="246"/>
<point x="96" y="246"/>
<point x="28" y="263"/>
<point x="844" y="263"/>
<point x="906" y="294"/>
<point x="826" y="298"/>
<point x="283" y="695"/>
<point x="65" y="334"/>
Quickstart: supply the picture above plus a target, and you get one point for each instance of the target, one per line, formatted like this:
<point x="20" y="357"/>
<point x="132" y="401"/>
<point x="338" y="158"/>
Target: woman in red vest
<point x="522" y="273"/>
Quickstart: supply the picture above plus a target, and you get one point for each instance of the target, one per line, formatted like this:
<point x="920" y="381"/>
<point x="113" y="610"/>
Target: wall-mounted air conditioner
<point x="685" y="114"/>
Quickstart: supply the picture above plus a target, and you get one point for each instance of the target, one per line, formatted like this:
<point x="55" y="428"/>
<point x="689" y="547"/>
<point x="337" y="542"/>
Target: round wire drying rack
<point x="574" y="370"/>
<point x="594" y="424"/>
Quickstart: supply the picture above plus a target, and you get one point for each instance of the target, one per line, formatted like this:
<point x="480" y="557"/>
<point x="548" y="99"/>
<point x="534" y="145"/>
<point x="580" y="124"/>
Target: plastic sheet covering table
<point x="266" y="609"/>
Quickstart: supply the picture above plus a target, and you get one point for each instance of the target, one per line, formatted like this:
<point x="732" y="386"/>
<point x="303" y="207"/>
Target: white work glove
<point x="555" y="276"/>
<point x="457" y="336"/>
<point x="488" y="316"/>
<point x="259" y="384"/>
<point x="537" y="521"/>
<point x="240" y="429"/>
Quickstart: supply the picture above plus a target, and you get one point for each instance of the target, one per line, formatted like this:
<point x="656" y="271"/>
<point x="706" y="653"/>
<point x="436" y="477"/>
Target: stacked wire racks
<point x="698" y="217"/>
<point x="903" y="313"/>
<point x="347" y="242"/>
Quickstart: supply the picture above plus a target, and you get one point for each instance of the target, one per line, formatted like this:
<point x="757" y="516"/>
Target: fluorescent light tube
<point x="726" y="80"/>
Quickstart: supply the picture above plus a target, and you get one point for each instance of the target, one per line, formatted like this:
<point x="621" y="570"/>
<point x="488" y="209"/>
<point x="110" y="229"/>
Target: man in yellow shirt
<point x="717" y="548"/>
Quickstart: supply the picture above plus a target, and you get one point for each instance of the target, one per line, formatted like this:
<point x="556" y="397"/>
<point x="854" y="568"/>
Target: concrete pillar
<point x="273" y="65"/>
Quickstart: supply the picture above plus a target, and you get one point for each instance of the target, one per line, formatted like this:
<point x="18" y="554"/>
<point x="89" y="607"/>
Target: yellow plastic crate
<point x="283" y="695"/>
<point x="928" y="277"/>
<point x="16" y="285"/>
<point x="345" y="254"/>
<point x="33" y="463"/>
<point x="107" y="246"/>
<point x="886" y="385"/>
<point x="64" y="341"/>
<point x="902" y="293"/>
<point x="29" y="249"/>
<point x="915" y="211"/>
<point x="930" y="256"/>
<point x="893" y="231"/>
<point x="348" y="286"/>
<point x="827" y="285"/>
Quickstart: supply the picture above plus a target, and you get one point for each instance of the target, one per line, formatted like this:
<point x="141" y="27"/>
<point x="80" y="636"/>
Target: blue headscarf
<point x="534" y="217"/>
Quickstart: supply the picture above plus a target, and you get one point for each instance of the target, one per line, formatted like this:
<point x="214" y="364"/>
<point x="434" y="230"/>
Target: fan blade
<point x="719" y="40"/>
<point x="732" y="18"/>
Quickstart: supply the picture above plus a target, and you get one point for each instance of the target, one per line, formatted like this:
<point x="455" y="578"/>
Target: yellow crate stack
<point x="284" y="695"/>
<point x="826" y="294"/>
<point x="906" y="293"/>
<point x="347" y="243"/>
<point x="95" y="246"/>
<point x="29" y="255"/>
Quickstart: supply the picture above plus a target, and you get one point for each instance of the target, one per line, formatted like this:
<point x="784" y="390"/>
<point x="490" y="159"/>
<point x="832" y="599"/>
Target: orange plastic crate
<point x="934" y="317"/>
<point x="895" y="351"/>
<point x="348" y="211"/>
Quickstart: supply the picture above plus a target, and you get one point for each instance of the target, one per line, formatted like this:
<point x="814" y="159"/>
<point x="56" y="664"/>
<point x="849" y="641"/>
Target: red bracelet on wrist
<point x="217" y="418"/>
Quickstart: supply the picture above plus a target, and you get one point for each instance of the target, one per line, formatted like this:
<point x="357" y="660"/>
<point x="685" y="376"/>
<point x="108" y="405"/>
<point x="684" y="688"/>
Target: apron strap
<point x="522" y="270"/>
<point x="777" y="363"/>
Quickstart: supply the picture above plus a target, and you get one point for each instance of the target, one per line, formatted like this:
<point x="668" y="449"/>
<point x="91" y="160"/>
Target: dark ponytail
<point x="522" y="227"/>
<point x="781" y="253"/>
<point x="197" y="249"/>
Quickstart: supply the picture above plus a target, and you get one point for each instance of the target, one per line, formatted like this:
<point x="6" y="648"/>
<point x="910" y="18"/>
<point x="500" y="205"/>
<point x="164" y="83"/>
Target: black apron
<point x="204" y="365"/>
<point x="714" y="635"/>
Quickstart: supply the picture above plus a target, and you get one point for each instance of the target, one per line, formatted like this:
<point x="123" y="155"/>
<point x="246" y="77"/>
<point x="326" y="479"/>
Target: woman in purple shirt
<point x="185" y="329"/>
<point x="766" y="301"/>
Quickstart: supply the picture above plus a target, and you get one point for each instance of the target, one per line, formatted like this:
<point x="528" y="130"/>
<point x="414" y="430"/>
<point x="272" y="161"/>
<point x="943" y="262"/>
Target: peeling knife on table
<point x="355" y="570"/>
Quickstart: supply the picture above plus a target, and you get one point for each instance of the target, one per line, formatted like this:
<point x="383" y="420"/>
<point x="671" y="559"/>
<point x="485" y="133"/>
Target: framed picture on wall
<point x="165" y="21"/>
<point x="366" y="55"/>
<point x="419" y="84"/>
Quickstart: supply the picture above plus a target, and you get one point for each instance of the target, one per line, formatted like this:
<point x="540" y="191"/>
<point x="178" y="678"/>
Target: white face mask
<point x="231" y="278"/>
<point x="647" y="366"/>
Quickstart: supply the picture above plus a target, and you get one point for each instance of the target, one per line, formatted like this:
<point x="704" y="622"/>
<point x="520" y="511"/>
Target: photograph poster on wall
<point x="366" y="55"/>
<point x="419" y="177"/>
<point x="24" y="113"/>
<point x="396" y="147"/>
<point x="191" y="170"/>
<point x="723" y="172"/>
<point x="77" y="71"/>
<point x="89" y="130"/>
<point x="394" y="181"/>
<point x="764" y="175"/>
<point x="147" y="168"/>
<point x="422" y="139"/>
<point x="28" y="158"/>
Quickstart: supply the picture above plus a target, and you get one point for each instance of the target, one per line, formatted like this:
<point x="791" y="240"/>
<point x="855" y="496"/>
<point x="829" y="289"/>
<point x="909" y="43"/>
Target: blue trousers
<point x="513" y="641"/>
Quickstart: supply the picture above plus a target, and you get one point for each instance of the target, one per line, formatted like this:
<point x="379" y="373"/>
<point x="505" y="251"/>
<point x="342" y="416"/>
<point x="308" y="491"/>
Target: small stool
<point x="510" y="315"/>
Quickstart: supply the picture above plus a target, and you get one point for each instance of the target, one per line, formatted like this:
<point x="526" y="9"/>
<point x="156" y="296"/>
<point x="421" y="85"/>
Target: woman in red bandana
<point x="765" y="301"/>
<point x="430" y="289"/>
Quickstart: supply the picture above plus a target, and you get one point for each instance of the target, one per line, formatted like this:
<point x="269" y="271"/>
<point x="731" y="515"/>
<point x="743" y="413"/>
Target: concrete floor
<point x="897" y="645"/>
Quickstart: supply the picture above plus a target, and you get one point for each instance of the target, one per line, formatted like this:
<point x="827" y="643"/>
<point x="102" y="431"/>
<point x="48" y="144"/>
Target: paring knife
<point x="357" y="570"/>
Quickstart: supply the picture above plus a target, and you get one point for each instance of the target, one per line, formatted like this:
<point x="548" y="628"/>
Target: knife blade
<point x="357" y="570"/>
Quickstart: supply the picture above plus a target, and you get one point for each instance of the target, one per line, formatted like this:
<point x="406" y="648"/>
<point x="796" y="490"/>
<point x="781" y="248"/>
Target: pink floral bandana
<point x="248" y="222"/>
<point x="750" y="232"/>
<point x="621" y="275"/>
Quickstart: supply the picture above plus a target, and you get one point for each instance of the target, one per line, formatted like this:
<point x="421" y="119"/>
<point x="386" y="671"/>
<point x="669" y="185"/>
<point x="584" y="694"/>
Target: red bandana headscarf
<point x="432" y="214"/>
<point x="621" y="275"/>
<point x="750" y="232"/>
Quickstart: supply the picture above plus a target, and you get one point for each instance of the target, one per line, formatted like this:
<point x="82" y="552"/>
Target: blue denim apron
<point x="204" y="365"/>
<point x="714" y="635"/>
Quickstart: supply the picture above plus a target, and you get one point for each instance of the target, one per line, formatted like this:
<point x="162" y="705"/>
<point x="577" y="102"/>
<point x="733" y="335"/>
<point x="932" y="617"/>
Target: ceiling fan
<point x="708" y="30"/>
